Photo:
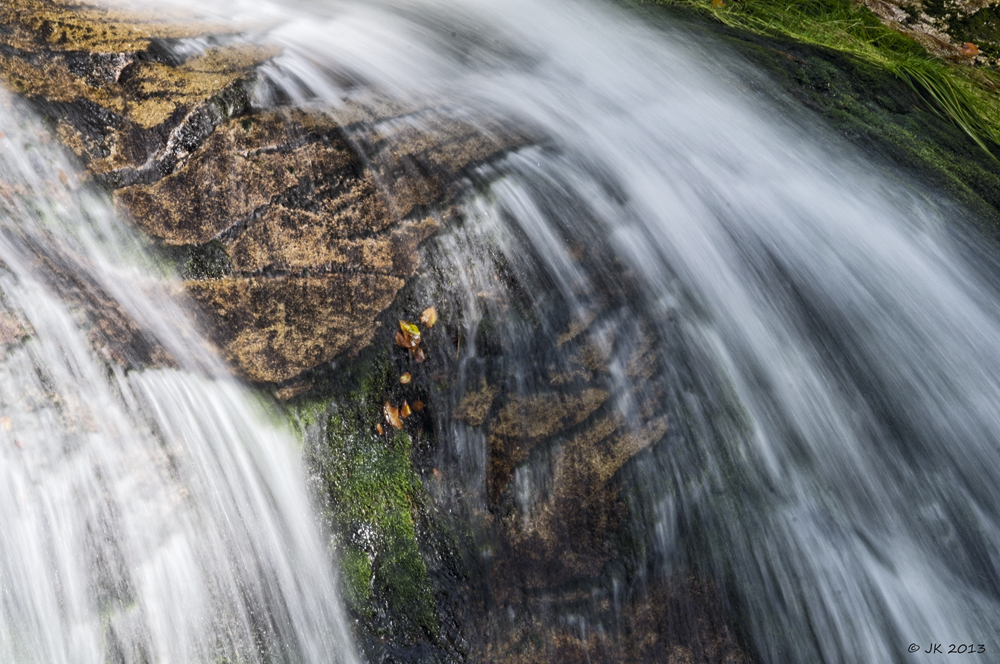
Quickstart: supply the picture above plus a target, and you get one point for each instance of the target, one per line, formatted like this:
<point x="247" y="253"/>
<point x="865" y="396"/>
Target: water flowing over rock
<point x="707" y="383"/>
<point x="318" y="225"/>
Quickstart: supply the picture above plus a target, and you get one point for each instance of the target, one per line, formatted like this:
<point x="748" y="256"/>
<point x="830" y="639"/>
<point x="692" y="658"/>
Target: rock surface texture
<point x="958" y="30"/>
<point x="292" y="240"/>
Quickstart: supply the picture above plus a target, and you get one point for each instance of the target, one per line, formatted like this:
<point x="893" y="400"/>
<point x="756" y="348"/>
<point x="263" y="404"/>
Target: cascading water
<point x="149" y="515"/>
<point x="835" y="384"/>
<point x="831" y="344"/>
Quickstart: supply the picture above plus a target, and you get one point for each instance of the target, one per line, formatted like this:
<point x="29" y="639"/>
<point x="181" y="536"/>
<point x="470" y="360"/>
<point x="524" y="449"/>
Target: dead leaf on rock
<point x="405" y="411"/>
<point x="378" y="428"/>
<point x="391" y="414"/>
<point x="418" y="354"/>
<point x="429" y="317"/>
<point x="405" y="378"/>
<point x="418" y="406"/>
<point x="438" y="475"/>
<point x="968" y="48"/>
<point x="6" y="423"/>
<point x="410" y="330"/>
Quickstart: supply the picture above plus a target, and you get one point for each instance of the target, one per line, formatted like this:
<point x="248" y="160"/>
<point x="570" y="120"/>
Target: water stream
<point x="151" y="515"/>
<point x="830" y="335"/>
<point x="835" y="383"/>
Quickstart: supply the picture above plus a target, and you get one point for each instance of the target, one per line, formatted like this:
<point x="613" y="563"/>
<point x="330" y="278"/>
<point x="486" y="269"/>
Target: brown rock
<point x="345" y="196"/>
<point x="273" y="329"/>
<point x="525" y="421"/>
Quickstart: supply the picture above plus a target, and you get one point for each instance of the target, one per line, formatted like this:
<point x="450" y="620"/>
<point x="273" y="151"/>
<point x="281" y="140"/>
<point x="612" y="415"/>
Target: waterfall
<point x="830" y="332"/>
<point x="827" y="335"/>
<point x="151" y="510"/>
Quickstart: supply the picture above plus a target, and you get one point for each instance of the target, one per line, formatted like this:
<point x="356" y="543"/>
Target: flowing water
<point x="148" y="515"/>
<point x="832" y="338"/>
<point x="828" y="335"/>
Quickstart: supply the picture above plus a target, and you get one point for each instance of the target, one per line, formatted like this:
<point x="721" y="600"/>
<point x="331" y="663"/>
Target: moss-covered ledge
<point x="850" y="77"/>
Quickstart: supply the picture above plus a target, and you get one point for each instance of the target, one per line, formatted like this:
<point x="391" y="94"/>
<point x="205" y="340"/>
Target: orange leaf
<point x="718" y="3"/>
<point x="391" y="414"/>
<point x="404" y="410"/>
<point x="429" y="317"/>
<point x="405" y="378"/>
<point x="378" y="427"/>
<point x="418" y="406"/>
<point x="969" y="48"/>
<point x="437" y="474"/>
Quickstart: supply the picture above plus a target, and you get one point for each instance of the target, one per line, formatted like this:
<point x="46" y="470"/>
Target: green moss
<point x="356" y="567"/>
<point x="372" y="492"/>
<point x="964" y="95"/>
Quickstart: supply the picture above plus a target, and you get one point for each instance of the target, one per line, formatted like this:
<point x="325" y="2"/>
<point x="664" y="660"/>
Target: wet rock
<point x="329" y="206"/>
<point x="965" y="31"/>
<point x="274" y="329"/>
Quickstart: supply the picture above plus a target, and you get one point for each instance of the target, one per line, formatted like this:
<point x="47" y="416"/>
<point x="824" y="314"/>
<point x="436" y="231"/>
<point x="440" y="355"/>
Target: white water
<point x="838" y="452"/>
<point x="157" y="515"/>
<point x="845" y="491"/>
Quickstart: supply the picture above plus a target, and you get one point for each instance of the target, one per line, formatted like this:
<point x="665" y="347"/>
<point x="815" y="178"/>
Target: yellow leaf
<point x="410" y="329"/>
<point x="404" y="410"/>
<point x="429" y="317"/>
<point x="405" y="378"/>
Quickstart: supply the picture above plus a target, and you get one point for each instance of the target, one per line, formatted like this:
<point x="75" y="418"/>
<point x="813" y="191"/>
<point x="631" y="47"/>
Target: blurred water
<point x="834" y="381"/>
<point x="150" y="515"/>
<point x="834" y="453"/>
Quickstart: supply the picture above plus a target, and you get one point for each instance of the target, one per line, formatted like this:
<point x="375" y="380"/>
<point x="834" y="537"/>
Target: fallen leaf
<point x="405" y="378"/>
<point x="391" y="414"/>
<point x="6" y="423"/>
<point x="418" y="406"/>
<point x="429" y="317"/>
<point x="718" y="3"/>
<point x="418" y="354"/>
<point x="437" y="474"/>
<point x="404" y="410"/>
<point x="968" y="48"/>
<point x="410" y="330"/>
<point x="378" y="427"/>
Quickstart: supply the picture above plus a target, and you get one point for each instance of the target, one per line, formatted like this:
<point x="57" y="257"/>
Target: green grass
<point x="964" y="95"/>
